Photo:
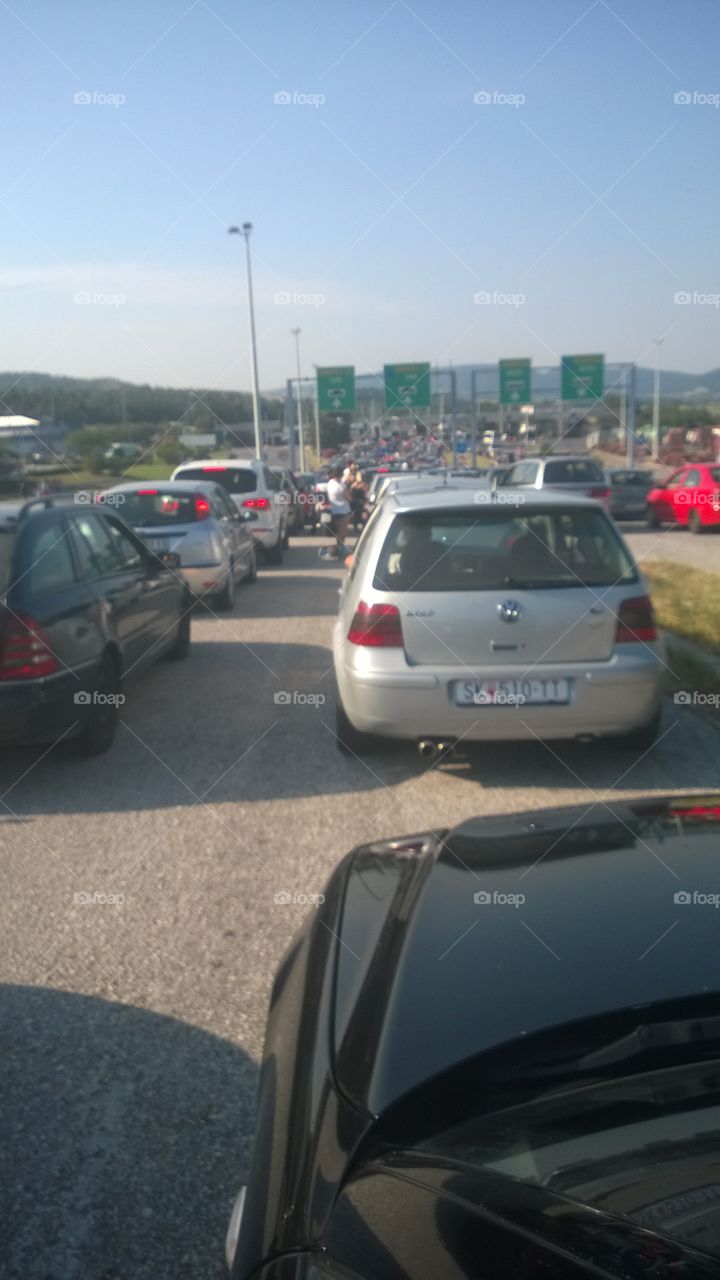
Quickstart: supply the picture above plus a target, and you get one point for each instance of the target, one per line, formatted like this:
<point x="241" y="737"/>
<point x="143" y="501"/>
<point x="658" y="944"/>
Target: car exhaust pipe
<point x="431" y="749"/>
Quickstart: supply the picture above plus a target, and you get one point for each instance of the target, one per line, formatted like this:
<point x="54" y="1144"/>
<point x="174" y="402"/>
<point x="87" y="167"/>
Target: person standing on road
<point x="339" y="500"/>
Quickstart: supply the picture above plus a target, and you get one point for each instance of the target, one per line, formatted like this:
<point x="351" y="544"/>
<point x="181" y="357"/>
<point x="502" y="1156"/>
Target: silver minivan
<point x="488" y="617"/>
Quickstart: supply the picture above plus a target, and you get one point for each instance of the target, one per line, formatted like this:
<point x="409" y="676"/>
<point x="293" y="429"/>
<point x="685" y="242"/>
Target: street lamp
<point x="245" y="231"/>
<point x="301" y="431"/>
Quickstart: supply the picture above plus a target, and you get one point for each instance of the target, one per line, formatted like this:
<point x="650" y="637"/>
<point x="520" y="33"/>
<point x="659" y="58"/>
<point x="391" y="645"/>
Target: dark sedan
<point x="494" y="1052"/>
<point x="629" y="491"/>
<point x="84" y="605"/>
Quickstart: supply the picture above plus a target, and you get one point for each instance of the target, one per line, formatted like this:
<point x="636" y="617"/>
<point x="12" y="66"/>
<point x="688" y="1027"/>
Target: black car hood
<point x="450" y="947"/>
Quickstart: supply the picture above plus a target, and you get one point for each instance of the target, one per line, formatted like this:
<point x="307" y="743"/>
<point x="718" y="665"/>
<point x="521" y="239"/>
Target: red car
<point x="690" y="496"/>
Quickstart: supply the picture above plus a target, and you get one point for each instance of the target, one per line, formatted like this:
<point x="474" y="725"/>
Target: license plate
<point x="326" y="517"/>
<point x="159" y="544"/>
<point x="511" y="693"/>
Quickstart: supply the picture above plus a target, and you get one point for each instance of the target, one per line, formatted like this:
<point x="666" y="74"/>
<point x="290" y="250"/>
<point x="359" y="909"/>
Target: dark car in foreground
<point x="84" y="605"/>
<point x="494" y="1052"/>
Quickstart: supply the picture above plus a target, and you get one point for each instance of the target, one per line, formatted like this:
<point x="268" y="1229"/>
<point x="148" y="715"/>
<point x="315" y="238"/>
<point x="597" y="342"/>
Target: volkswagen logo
<point x="510" y="610"/>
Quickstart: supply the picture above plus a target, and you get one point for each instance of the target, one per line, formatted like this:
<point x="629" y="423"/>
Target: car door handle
<point x="123" y="593"/>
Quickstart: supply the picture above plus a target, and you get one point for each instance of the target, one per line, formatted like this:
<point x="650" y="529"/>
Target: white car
<point x="483" y="618"/>
<point x="196" y="522"/>
<point x="252" y="487"/>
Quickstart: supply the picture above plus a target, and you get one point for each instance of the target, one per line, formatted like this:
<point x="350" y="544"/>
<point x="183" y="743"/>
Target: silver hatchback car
<point x="507" y="616"/>
<point x="197" y="522"/>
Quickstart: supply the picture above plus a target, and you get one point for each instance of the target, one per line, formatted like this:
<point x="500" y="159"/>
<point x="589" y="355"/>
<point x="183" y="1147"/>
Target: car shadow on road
<point x="125" y="1139"/>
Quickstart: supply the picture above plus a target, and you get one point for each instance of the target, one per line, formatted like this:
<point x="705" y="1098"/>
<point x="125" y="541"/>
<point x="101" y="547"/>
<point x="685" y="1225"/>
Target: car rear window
<point x="150" y="507"/>
<point x="573" y="471"/>
<point x="234" y="479"/>
<point x="7" y="547"/>
<point x="489" y="548"/>
<point x="632" y="477"/>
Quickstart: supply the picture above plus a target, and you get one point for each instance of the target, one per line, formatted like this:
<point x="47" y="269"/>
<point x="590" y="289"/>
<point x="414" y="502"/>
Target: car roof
<point x="219" y="463"/>
<point x="168" y="486"/>
<point x="460" y="978"/>
<point x="455" y="494"/>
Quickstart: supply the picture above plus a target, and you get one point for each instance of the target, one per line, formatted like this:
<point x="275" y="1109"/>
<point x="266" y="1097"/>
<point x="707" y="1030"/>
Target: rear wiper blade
<point x="528" y="584"/>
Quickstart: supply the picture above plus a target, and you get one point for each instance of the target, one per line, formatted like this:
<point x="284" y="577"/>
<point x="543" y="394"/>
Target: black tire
<point x="181" y="647"/>
<point x="643" y="738"/>
<point x="350" y="741"/>
<point x="225" y="601"/>
<point x="251" y="575"/>
<point x="695" y="524"/>
<point x="652" y="519"/>
<point x="99" y="732"/>
<point x="274" y="555"/>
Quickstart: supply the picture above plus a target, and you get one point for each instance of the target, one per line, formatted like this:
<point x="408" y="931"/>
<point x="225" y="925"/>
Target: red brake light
<point x="25" y="651"/>
<point x="214" y="468"/>
<point x="598" y="491"/>
<point x="146" y="492"/>
<point x="636" y="621"/>
<point x="202" y="508"/>
<point x="257" y="504"/>
<point x="377" y="625"/>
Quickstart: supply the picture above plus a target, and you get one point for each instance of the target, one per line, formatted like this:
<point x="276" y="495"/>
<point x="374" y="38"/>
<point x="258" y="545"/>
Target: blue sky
<point x="384" y="198"/>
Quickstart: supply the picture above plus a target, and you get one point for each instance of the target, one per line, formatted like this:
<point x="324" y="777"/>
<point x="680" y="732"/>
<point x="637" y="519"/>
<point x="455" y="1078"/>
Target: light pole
<point x="301" y="430"/>
<point x="656" y="403"/>
<point x="245" y="231"/>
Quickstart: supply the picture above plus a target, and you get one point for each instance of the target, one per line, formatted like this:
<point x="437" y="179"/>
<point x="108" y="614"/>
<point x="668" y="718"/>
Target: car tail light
<point x="598" y="491"/>
<point x="377" y="625"/>
<point x="256" y="504"/>
<point x="144" y="493"/>
<point x="636" y="621"/>
<point x="214" y="468"/>
<point x="25" y="651"/>
<point x="202" y="508"/>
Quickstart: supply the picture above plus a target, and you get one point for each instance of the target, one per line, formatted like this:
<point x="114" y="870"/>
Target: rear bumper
<point x="39" y="711"/>
<point x="607" y="698"/>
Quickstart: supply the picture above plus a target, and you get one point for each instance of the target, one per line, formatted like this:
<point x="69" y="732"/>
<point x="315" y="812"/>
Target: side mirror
<point x="170" y="559"/>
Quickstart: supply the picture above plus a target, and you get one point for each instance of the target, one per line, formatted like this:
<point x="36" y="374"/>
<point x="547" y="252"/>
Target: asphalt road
<point x="669" y="543"/>
<point x="132" y="1029"/>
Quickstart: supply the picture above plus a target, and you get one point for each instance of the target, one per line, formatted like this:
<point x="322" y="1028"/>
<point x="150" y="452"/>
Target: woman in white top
<point x="339" y="500"/>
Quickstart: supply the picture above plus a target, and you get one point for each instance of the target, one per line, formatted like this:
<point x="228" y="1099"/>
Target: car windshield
<point x="487" y="548"/>
<point x="234" y="479"/>
<point x="150" y="507"/>
<point x="573" y="471"/>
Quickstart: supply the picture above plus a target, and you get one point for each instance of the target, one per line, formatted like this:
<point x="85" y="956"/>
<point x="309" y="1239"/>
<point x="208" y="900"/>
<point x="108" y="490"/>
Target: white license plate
<point x="326" y="517"/>
<point x="158" y="545"/>
<point x="510" y="693"/>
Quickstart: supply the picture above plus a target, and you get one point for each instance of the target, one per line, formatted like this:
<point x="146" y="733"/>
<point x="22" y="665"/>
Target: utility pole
<point x="655" y="453"/>
<point x="257" y="421"/>
<point x="301" y="429"/>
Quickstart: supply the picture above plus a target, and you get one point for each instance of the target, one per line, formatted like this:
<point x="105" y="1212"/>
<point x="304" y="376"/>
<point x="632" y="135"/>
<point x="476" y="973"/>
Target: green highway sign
<point x="515" y="382"/>
<point x="583" y="377"/>
<point x="407" y="386"/>
<point x="336" y="389"/>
